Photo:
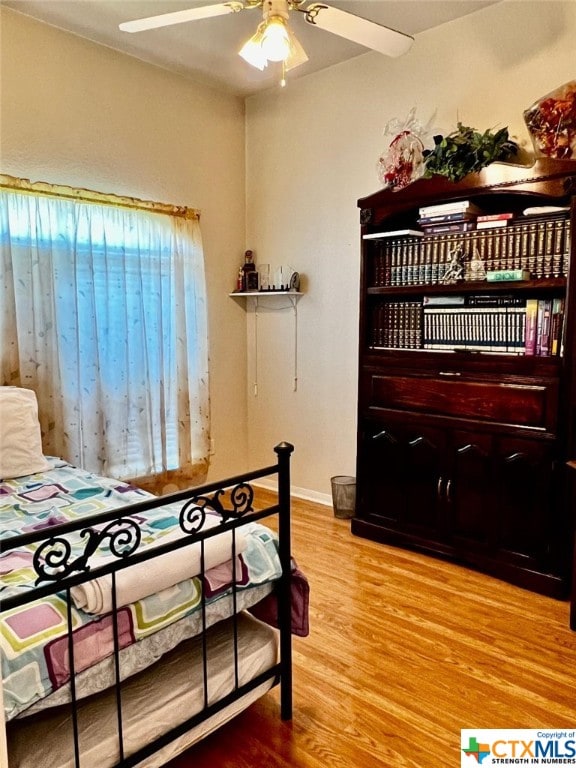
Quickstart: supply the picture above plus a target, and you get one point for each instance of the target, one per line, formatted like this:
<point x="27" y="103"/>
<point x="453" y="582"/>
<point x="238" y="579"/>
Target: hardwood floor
<point x="404" y="651"/>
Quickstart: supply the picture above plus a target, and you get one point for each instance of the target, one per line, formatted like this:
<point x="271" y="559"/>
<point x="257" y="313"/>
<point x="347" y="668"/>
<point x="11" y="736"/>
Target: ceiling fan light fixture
<point x="273" y="41"/>
<point x="276" y="40"/>
<point x="252" y="51"/>
<point x="297" y="53"/>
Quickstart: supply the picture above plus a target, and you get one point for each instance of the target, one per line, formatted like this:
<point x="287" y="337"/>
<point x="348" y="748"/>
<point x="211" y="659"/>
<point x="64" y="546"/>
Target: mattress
<point x="33" y="638"/>
<point x="138" y="656"/>
<point x="160" y="698"/>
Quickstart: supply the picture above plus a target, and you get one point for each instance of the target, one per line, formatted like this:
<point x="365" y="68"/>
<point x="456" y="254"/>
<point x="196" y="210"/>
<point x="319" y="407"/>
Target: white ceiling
<point x="207" y="50"/>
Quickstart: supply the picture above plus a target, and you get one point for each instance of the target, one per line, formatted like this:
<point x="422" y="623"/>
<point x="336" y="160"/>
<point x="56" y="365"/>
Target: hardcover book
<point x="454" y="226"/>
<point x="557" y="322"/>
<point x="495" y="216"/>
<point x="446" y="217"/>
<point x="452" y="207"/>
<point x="492" y="224"/>
<point x="543" y="324"/>
<point x="505" y="275"/>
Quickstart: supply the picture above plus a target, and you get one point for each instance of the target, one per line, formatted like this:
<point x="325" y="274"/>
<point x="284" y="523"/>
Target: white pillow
<point x="20" y="438"/>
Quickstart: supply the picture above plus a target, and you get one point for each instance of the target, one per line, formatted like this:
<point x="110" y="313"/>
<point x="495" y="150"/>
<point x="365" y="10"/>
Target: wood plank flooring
<point x="404" y="651"/>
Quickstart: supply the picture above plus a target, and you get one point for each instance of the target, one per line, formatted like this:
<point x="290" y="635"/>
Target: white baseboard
<point x="300" y="493"/>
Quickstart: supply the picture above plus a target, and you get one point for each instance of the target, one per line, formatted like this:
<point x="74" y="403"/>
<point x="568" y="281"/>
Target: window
<point x="103" y="314"/>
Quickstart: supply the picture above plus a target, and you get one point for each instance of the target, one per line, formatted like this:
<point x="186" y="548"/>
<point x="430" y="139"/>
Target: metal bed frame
<point x="232" y="499"/>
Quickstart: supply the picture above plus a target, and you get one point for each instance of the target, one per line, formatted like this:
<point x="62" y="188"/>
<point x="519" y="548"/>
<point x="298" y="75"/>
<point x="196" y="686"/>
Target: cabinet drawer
<point x="526" y="404"/>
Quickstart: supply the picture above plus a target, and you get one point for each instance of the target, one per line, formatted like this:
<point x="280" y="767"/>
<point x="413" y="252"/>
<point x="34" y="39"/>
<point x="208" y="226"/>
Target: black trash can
<point x="343" y="495"/>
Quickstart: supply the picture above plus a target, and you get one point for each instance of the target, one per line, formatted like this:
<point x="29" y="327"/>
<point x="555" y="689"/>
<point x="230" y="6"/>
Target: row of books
<point x="451" y="208"/>
<point x="397" y="324"/>
<point x="462" y="216"/>
<point x="454" y="223"/>
<point x="449" y="218"/>
<point x="540" y="247"/>
<point x="476" y="329"/>
<point x="490" y="324"/>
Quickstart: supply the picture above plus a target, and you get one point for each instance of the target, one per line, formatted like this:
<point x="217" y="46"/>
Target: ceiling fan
<point x="274" y="41"/>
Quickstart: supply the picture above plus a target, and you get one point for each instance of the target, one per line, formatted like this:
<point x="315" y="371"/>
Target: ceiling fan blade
<point x="368" y="33"/>
<point x="178" y="17"/>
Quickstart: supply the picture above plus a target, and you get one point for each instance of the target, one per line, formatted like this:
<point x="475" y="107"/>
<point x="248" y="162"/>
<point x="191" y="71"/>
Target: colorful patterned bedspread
<point x="33" y="638"/>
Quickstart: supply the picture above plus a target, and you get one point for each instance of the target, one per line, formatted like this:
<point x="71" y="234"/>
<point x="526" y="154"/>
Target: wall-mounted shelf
<point x="267" y="294"/>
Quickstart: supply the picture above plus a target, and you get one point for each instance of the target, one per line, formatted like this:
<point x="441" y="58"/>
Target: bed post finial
<point x="284" y="448"/>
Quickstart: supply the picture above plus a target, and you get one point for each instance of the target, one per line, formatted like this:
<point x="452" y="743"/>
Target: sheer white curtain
<point x="103" y="314"/>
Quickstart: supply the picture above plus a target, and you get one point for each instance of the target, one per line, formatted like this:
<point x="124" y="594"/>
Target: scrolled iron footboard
<point x="59" y="569"/>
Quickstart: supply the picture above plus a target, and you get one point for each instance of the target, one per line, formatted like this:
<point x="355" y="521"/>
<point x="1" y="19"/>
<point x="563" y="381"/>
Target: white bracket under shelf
<point x="256" y="297"/>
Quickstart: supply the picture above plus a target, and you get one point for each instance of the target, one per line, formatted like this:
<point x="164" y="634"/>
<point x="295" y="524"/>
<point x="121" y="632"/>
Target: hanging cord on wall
<point x="294" y="306"/>
<point x="295" y="310"/>
<point x="256" y="349"/>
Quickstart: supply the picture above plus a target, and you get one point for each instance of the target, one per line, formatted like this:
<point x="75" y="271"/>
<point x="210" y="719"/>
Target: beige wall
<point x="77" y="113"/>
<point x="311" y="153"/>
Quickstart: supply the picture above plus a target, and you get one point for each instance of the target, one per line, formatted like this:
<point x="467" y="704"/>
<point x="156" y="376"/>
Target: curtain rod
<point x="89" y="196"/>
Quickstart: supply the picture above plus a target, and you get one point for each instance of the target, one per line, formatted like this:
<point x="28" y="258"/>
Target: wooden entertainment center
<point x="464" y="433"/>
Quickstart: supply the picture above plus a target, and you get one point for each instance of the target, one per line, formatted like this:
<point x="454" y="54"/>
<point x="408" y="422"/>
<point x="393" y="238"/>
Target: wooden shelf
<point x="467" y="287"/>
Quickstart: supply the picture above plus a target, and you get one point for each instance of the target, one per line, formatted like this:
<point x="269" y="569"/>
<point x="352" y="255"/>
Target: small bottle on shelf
<point x="249" y="274"/>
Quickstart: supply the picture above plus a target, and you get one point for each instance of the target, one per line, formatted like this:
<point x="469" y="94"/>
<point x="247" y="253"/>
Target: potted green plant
<point x="465" y="151"/>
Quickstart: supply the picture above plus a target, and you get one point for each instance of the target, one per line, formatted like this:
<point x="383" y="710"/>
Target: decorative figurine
<point x="455" y="268"/>
<point x="475" y="268"/>
<point x="403" y="160"/>
<point x="551" y="122"/>
<point x="247" y="268"/>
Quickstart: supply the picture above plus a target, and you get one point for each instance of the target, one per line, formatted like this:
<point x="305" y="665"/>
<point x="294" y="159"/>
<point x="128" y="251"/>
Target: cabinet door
<point x="401" y="477"/>
<point x="501" y="496"/>
<point x="426" y="479"/>
<point x="381" y="474"/>
<point x="528" y="527"/>
<point x="470" y="490"/>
